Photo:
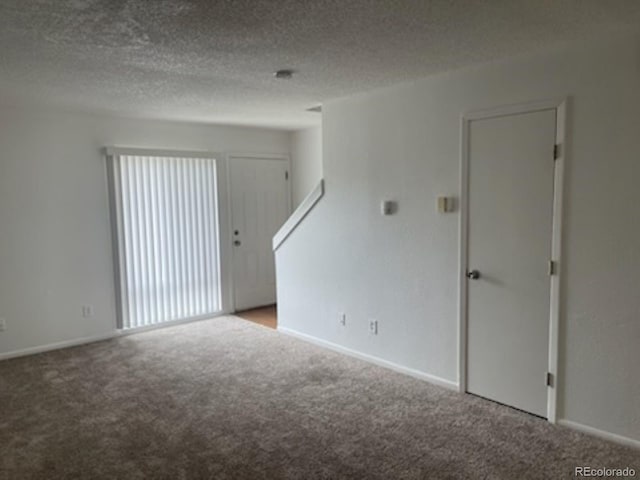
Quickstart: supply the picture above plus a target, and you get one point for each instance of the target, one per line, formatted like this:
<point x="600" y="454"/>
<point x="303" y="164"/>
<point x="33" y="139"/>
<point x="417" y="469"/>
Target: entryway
<point x="260" y="204"/>
<point x="265" y="316"/>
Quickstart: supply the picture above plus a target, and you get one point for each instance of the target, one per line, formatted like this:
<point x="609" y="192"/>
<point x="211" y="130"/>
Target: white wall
<point x="403" y="143"/>
<point x="55" y="250"/>
<point x="306" y="162"/>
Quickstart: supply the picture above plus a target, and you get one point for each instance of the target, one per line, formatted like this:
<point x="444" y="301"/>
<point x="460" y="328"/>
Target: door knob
<point x="237" y="243"/>
<point x="473" y="275"/>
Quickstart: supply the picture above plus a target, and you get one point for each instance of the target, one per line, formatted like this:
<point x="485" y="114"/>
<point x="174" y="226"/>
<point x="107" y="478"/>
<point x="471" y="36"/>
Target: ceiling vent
<point x="284" y="74"/>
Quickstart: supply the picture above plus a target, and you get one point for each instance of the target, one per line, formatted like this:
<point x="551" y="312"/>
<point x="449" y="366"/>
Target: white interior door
<point x="511" y="175"/>
<point x="259" y="207"/>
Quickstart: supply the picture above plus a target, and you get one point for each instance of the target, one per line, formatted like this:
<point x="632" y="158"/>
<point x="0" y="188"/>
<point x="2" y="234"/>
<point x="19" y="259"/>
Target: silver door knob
<point x="473" y="275"/>
<point x="237" y="243"/>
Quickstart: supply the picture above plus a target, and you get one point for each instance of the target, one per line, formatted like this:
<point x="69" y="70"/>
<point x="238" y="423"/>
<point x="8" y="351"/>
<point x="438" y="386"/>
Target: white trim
<point x="441" y="382"/>
<point x="619" y="439"/>
<point x="514" y="109"/>
<point x="226" y="248"/>
<point x="298" y="215"/>
<point x="115" y="214"/>
<point x="107" y="336"/>
<point x="228" y="237"/>
<point x="258" y="156"/>
<point x="57" y="346"/>
<point x="556" y="256"/>
<point x="154" y="152"/>
<point x="463" y="256"/>
<point x="556" y="241"/>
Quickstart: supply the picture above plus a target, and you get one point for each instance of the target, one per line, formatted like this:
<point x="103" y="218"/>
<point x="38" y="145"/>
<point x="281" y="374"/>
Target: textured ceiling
<point x="212" y="61"/>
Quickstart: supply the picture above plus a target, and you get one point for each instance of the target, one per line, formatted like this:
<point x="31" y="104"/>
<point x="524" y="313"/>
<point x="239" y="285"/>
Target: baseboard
<point x="57" y="346"/>
<point x="98" y="338"/>
<point x="441" y="382"/>
<point x="629" y="442"/>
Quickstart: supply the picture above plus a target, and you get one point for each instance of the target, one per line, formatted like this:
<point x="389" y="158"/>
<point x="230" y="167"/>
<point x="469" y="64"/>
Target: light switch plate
<point x="445" y="204"/>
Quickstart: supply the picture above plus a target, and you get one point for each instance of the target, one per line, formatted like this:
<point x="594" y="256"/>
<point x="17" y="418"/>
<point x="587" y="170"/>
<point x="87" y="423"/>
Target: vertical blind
<point x="165" y="237"/>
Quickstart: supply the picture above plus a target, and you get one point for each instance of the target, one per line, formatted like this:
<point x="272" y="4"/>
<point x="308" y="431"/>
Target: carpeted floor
<point x="229" y="399"/>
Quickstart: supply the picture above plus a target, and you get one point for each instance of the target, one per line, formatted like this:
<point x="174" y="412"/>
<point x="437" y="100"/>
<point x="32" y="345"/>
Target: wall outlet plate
<point x="3" y="324"/>
<point x="388" y="207"/>
<point x="87" y="311"/>
<point x="373" y="327"/>
<point x="343" y="319"/>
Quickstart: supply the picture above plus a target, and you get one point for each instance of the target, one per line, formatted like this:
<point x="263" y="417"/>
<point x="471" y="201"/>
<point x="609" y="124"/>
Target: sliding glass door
<point x="166" y="238"/>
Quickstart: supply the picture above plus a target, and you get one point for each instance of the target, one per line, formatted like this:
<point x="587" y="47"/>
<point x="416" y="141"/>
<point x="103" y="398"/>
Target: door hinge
<point x="556" y="151"/>
<point x="549" y="379"/>
<point x="286" y="175"/>
<point x="553" y="268"/>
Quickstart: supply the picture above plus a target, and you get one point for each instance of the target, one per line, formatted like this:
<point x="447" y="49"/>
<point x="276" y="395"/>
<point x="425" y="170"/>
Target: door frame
<point x="228" y="158"/>
<point x="560" y="105"/>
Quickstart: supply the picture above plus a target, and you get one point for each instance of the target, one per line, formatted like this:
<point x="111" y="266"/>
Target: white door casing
<point x="260" y="204"/>
<point x="510" y="230"/>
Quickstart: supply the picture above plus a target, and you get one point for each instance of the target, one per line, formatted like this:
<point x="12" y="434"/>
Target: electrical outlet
<point x="373" y="327"/>
<point x="87" y="311"/>
<point x="343" y="319"/>
<point x="3" y="324"/>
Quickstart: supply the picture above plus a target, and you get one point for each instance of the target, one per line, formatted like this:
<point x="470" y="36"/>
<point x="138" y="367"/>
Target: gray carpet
<point x="227" y="399"/>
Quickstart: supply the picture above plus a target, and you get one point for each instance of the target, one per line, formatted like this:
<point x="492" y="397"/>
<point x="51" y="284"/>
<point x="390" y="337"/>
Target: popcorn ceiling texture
<point x="212" y="61"/>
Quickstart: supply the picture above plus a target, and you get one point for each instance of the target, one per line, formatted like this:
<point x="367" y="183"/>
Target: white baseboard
<point x="98" y="338"/>
<point x="57" y="346"/>
<point x="441" y="382"/>
<point x="629" y="442"/>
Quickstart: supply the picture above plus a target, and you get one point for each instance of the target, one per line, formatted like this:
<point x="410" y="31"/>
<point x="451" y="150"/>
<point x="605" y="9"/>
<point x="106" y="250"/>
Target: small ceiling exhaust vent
<point x="284" y="74"/>
<point x="316" y="109"/>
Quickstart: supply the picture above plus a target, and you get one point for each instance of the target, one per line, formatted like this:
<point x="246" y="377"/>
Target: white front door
<point x="511" y="184"/>
<point x="259" y="207"/>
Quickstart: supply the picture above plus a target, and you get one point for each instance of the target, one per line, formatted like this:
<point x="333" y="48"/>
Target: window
<point x="166" y="237"/>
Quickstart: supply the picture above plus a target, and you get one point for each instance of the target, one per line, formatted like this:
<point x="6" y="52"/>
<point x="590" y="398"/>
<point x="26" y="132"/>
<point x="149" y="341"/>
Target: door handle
<point x="473" y="275"/>
<point x="237" y="243"/>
